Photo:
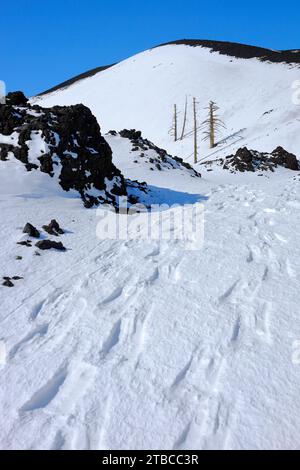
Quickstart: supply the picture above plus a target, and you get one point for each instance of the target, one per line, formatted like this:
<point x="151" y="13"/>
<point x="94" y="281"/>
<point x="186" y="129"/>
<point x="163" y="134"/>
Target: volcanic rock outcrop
<point x="252" y="160"/>
<point x="145" y="151"/>
<point x="66" y="143"/>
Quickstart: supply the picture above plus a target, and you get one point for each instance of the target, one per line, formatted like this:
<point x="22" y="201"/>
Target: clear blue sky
<point x="44" y="42"/>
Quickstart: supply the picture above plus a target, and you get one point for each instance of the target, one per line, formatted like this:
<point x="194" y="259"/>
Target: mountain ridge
<point x="233" y="49"/>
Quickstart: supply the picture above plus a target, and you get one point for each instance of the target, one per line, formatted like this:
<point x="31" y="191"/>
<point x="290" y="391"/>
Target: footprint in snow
<point x="228" y="292"/>
<point x="44" y="396"/>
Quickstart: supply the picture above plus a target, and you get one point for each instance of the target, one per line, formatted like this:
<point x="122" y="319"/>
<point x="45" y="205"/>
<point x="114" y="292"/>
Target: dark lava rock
<point x="251" y="160"/>
<point x="25" y="243"/>
<point x="243" y="160"/>
<point x="18" y="258"/>
<point x="8" y="283"/>
<point x="76" y="151"/>
<point x="67" y="83"/>
<point x="8" y="280"/>
<point x="242" y="51"/>
<point x="16" y="98"/>
<point x="53" y="228"/>
<point x="131" y="134"/>
<point x="48" y="244"/>
<point x="4" y="149"/>
<point x="31" y="231"/>
<point x="162" y="160"/>
<point x="283" y="158"/>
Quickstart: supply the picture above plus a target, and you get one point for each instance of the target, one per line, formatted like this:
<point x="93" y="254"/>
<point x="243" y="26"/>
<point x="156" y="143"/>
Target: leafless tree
<point x="212" y="124"/>
<point x="184" y="119"/>
<point x="195" y="131"/>
<point x="174" y="128"/>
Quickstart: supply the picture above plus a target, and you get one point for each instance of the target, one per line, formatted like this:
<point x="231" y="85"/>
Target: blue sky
<point x="46" y="42"/>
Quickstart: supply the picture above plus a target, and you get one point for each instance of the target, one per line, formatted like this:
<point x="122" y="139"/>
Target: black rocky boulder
<point x="131" y="134"/>
<point x="49" y="244"/>
<point x="7" y="283"/>
<point x="8" y="280"/>
<point x="31" y="231"/>
<point x="254" y="161"/>
<point x="285" y="159"/>
<point x="53" y="228"/>
<point x="16" y="98"/>
<point x="76" y="151"/>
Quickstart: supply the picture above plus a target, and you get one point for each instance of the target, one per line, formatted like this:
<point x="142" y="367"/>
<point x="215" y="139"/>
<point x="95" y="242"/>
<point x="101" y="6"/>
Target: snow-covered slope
<point x="255" y="98"/>
<point x="142" y="343"/>
<point x="137" y="157"/>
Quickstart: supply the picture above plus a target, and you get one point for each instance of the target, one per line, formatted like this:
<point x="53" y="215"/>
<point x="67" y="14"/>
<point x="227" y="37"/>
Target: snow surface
<point x="37" y="146"/>
<point x="140" y="164"/>
<point x="142" y="344"/>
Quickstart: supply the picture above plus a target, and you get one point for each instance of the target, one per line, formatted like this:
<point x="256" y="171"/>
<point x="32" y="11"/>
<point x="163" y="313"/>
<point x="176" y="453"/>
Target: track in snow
<point x="143" y="344"/>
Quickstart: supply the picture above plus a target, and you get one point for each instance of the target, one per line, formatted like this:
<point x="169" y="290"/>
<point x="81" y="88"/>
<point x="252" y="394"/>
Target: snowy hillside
<point x="143" y="344"/>
<point x="150" y="342"/>
<point x="254" y="96"/>
<point x="137" y="157"/>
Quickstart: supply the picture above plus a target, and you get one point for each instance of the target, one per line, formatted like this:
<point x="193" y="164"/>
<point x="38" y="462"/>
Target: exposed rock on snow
<point x="130" y="134"/>
<point x="241" y="51"/>
<point x="8" y="280"/>
<point x="251" y="160"/>
<point x="283" y="158"/>
<point x="31" y="231"/>
<point x="145" y="152"/>
<point x="26" y="243"/>
<point x="89" y="73"/>
<point x="16" y="98"/>
<point x="49" y="244"/>
<point x="53" y="228"/>
<point x="65" y="142"/>
<point x="8" y="283"/>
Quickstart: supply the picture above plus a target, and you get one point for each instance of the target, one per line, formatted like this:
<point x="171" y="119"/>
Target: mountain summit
<point x="252" y="87"/>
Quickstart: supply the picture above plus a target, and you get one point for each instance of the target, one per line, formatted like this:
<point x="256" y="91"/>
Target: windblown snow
<point x="143" y="343"/>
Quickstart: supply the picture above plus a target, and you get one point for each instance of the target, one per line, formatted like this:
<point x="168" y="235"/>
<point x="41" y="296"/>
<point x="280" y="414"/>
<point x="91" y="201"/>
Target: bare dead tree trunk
<point x="173" y="131"/>
<point x="212" y="124"/>
<point x="184" y="119"/>
<point x="195" y="131"/>
<point x="175" y="123"/>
